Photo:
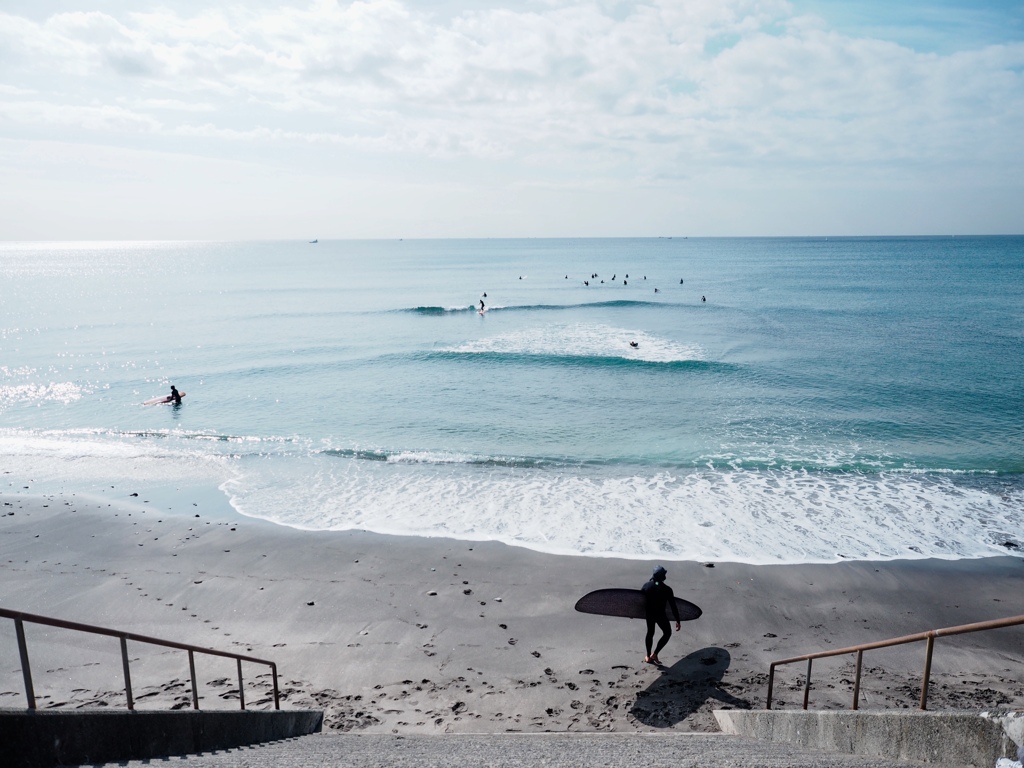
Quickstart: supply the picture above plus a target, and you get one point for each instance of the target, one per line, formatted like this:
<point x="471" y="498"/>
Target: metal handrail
<point x="20" y="617"/>
<point x="930" y="636"/>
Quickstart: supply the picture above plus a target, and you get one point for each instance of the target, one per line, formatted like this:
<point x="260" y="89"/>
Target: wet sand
<point x="401" y="634"/>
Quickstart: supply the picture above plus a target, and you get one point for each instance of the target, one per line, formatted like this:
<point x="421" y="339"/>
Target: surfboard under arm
<point x="630" y="604"/>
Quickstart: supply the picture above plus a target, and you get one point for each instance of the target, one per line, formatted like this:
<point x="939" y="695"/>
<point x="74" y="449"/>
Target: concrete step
<point x="968" y="739"/>
<point x="589" y="750"/>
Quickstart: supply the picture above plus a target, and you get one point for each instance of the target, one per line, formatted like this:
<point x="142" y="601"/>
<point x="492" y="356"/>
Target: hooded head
<point x="659" y="573"/>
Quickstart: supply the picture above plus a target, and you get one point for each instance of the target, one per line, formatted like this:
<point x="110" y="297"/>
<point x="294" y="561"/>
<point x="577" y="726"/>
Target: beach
<point x="436" y="635"/>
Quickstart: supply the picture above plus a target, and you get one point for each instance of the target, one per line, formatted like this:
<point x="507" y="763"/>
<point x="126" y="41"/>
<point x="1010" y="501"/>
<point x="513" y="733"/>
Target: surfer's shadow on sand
<point x="682" y="689"/>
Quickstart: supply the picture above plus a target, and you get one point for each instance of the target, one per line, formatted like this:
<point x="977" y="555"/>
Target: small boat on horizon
<point x="313" y="241"/>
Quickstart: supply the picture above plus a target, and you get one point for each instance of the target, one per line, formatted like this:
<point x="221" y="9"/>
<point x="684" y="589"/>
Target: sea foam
<point x="583" y="340"/>
<point x="760" y="515"/>
<point x="763" y="516"/>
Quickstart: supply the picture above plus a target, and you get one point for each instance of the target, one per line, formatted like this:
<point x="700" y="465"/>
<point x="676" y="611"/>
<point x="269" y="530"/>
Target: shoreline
<point x="871" y="518"/>
<point x="348" y="617"/>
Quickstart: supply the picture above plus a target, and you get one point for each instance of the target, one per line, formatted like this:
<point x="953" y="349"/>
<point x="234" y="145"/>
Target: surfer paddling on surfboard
<point x="658" y="596"/>
<point x="172" y="399"/>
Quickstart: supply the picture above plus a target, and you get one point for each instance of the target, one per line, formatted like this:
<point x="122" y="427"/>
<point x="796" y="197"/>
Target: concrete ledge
<point x="51" y="738"/>
<point x="952" y="738"/>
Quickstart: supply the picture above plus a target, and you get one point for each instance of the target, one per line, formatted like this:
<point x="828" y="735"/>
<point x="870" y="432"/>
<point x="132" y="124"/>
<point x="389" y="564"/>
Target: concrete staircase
<point x="589" y="750"/>
<point x="57" y="737"/>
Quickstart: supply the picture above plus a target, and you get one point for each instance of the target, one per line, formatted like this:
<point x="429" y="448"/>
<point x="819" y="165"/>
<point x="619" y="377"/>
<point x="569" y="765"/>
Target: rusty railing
<point x="929" y="636"/>
<point x="19" y="627"/>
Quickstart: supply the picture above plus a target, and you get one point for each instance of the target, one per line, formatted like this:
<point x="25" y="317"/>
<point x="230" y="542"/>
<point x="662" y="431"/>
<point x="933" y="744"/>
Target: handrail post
<point x="856" y="680"/>
<point x="807" y="684"/>
<point x="927" y="671"/>
<point x="26" y="671"/>
<point x="241" y="690"/>
<point x="930" y="635"/>
<point x="127" y="673"/>
<point x="277" y="702"/>
<point x="192" y="673"/>
<point x="20" y="617"/>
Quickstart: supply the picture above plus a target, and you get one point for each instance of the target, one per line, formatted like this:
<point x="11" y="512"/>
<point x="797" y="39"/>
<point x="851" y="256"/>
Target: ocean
<point x="787" y="401"/>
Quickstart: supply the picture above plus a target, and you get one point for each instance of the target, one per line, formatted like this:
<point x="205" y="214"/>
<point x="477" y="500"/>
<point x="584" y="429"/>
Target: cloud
<point x="100" y="118"/>
<point x="599" y="92"/>
<point x="174" y="105"/>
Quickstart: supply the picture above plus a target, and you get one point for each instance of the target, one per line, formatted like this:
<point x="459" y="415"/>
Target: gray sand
<point x="349" y="618"/>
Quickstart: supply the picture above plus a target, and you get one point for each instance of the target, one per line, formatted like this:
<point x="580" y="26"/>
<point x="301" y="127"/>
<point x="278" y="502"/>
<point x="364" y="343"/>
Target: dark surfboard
<point x="630" y="604"/>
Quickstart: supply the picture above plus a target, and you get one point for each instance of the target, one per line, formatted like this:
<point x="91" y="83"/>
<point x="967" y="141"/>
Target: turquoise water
<point x="850" y="398"/>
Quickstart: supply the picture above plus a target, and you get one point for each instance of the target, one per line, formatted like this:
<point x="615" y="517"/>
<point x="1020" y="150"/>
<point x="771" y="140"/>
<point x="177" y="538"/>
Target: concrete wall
<point x="49" y="738"/>
<point x="953" y="738"/>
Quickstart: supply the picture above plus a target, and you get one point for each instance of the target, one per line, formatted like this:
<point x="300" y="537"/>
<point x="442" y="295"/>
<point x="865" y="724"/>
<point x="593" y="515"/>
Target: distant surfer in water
<point x="481" y="305"/>
<point x="175" y="397"/>
<point x="634" y="344"/>
<point x="658" y="596"/>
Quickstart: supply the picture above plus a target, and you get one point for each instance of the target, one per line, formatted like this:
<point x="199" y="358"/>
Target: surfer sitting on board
<point x="658" y="595"/>
<point x="175" y="397"/>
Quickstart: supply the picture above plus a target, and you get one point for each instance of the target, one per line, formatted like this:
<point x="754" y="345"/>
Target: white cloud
<point x="586" y="93"/>
<point x="13" y="90"/>
<point x="174" y="105"/>
<point x="99" y="118"/>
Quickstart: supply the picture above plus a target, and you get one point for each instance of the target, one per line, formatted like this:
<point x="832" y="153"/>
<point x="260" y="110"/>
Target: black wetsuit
<point x="659" y="597"/>
<point x="175" y="397"/>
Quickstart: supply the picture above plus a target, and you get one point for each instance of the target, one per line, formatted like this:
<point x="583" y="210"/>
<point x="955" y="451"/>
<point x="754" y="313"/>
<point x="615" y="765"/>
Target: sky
<point x="266" y="119"/>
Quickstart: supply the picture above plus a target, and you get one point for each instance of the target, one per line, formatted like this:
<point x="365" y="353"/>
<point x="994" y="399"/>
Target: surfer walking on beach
<point x="658" y="596"/>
